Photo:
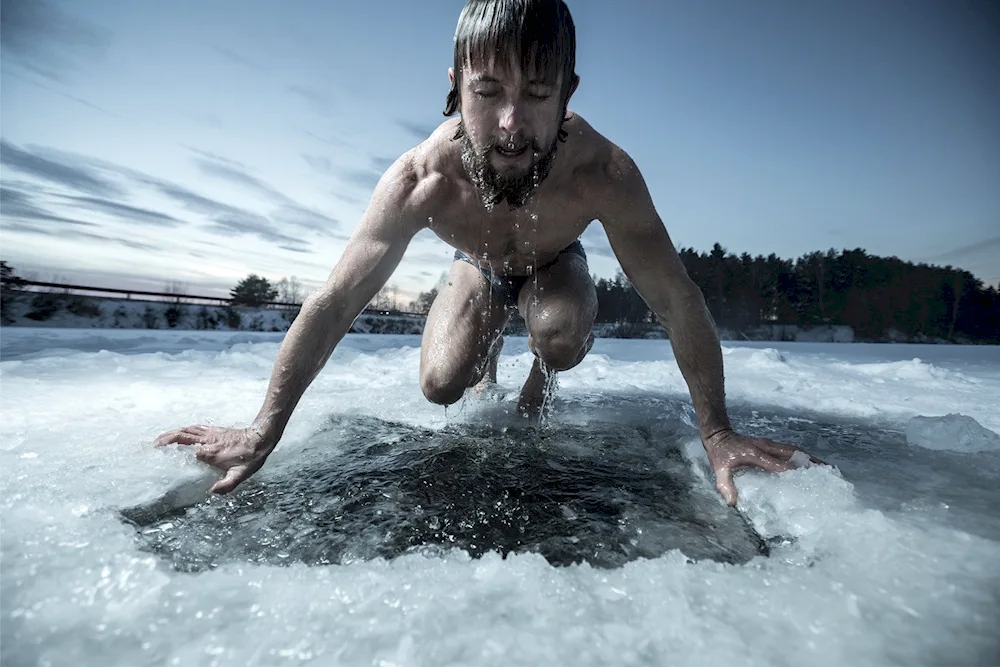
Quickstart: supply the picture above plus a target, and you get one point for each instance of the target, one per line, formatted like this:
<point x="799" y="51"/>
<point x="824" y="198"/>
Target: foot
<point x="532" y="396"/>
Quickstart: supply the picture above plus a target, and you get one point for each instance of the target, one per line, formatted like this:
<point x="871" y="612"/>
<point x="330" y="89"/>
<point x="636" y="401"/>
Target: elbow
<point x="682" y="300"/>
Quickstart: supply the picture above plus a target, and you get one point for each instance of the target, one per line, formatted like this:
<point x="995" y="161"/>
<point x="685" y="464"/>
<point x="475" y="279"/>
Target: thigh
<point x="560" y="297"/>
<point x="464" y="320"/>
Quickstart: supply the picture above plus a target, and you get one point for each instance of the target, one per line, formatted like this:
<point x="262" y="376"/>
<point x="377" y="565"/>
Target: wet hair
<point x="539" y="32"/>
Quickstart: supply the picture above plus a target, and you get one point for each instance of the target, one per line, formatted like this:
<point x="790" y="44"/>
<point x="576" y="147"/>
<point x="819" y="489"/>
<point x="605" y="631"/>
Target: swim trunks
<point x="508" y="287"/>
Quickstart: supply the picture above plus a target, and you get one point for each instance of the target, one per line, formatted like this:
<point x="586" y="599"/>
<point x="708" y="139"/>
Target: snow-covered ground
<point x="891" y="557"/>
<point x="55" y="310"/>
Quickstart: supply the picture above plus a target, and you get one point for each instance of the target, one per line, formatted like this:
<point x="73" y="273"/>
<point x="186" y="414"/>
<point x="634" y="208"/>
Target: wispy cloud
<point x="239" y="59"/>
<point x="304" y="218"/>
<point x="595" y="241"/>
<point x="20" y="207"/>
<point x="320" y="164"/>
<point x="95" y="192"/>
<point x="986" y="247"/>
<point x="381" y="163"/>
<point x="131" y="214"/>
<point x="77" y="177"/>
<point x="419" y="131"/>
<point x="206" y="119"/>
<point x="317" y="100"/>
<point x="365" y="178"/>
<point x="73" y="233"/>
<point x="255" y="225"/>
<point x="39" y="37"/>
<point x="336" y="142"/>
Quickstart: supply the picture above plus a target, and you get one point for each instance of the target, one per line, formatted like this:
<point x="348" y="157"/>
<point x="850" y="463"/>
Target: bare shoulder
<point x="611" y="174"/>
<point x="427" y="171"/>
<point x="417" y="182"/>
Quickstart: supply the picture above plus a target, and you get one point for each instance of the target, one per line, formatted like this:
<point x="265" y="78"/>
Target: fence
<point x="21" y="284"/>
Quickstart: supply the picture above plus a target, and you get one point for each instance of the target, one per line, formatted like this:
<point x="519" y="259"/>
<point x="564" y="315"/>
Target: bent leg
<point x="465" y="320"/>
<point x="559" y="307"/>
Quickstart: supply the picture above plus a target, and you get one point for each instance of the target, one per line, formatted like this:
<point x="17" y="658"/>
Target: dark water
<point x="605" y="493"/>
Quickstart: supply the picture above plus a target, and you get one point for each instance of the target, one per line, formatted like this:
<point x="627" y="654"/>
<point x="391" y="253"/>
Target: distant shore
<point x="60" y="310"/>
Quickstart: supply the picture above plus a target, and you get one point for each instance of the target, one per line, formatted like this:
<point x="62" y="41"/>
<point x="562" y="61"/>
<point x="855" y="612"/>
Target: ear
<point x="451" y="75"/>
<point x="572" y="87"/>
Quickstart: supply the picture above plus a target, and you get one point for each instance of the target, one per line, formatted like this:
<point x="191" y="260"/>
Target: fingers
<point x="189" y="435"/>
<point x="767" y="462"/>
<point x="724" y="485"/>
<point x="233" y="477"/>
<point x="777" y="449"/>
<point x="180" y="437"/>
<point x="784" y="451"/>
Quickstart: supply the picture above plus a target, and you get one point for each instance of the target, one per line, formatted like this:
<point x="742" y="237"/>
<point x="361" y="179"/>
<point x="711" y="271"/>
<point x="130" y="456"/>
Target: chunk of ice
<point x="953" y="432"/>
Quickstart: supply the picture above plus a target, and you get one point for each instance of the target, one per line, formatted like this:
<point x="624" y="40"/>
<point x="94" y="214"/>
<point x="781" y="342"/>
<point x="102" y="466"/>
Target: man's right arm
<point x="373" y="252"/>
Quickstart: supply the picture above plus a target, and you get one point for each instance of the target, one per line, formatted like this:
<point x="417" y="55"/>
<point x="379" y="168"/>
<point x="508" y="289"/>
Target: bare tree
<point x="176" y="289"/>
<point x="290" y="291"/>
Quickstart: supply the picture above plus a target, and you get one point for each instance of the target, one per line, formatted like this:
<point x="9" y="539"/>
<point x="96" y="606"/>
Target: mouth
<point x="511" y="151"/>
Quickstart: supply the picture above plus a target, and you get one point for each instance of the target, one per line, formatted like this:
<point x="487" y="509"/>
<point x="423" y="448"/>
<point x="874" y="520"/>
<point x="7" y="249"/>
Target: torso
<point x="509" y="242"/>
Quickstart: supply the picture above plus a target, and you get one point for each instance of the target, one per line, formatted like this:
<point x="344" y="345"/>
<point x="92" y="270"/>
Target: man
<point x="511" y="184"/>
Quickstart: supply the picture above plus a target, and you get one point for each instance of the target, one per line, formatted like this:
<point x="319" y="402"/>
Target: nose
<point x="512" y="118"/>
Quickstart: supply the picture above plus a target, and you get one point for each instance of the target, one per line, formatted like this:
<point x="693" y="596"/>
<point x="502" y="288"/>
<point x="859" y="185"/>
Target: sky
<point x="191" y="143"/>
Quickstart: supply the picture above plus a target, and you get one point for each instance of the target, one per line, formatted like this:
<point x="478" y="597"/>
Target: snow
<point x="888" y="557"/>
<point x="960" y="433"/>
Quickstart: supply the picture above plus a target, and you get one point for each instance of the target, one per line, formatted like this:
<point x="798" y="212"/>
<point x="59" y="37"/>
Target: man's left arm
<point x="648" y="257"/>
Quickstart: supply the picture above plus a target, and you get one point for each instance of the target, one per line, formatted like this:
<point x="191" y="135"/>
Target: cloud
<point x="19" y="206"/>
<point x="595" y="241"/>
<point x="43" y="39"/>
<point x="315" y="99"/>
<point x="330" y="141"/>
<point x="295" y="249"/>
<point x="304" y="218"/>
<point x="347" y="198"/>
<point x="289" y="212"/>
<point x="192" y="201"/>
<point x="254" y="225"/>
<point x="419" y="131"/>
<point x="78" y="177"/>
<point x="236" y="174"/>
<point x="206" y="119"/>
<point x="225" y="219"/>
<point x="381" y="163"/>
<point x="989" y="247"/>
<point x="64" y="233"/>
<point x="239" y="59"/>
<point x="86" y="176"/>
<point x="209" y="155"/>
<point x="320" y="164"/>
<point x="131" y="214"/>
<point x="365" y="178"/>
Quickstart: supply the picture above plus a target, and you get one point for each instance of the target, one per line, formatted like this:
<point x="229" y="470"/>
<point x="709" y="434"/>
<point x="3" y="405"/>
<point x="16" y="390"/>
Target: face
<point x="511" y="121"/>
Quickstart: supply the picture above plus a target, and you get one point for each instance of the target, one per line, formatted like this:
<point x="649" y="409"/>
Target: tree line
<point x="873" y="295"/>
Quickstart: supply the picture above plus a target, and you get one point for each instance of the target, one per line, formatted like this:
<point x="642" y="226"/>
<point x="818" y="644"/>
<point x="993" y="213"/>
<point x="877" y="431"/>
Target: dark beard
<point x="493" y="187"/>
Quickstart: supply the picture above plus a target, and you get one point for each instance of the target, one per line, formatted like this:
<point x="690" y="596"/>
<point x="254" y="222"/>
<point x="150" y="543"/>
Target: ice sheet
<point x="890" y="558"/>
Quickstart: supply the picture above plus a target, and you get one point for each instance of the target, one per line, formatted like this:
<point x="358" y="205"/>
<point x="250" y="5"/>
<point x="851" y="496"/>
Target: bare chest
<point x="514" y="242"/>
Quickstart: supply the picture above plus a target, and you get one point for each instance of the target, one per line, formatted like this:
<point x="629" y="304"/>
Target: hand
<point x="728" y="451"/>
<point x="238" y="452"/>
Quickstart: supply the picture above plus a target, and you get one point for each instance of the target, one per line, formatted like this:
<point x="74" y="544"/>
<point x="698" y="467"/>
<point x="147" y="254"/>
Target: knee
<point x="441" y="388"/>
<point x="561" y="349"/>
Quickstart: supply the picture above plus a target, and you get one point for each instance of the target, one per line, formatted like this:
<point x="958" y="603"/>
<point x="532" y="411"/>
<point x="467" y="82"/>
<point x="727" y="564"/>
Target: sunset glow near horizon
<point x="194" y="143"/>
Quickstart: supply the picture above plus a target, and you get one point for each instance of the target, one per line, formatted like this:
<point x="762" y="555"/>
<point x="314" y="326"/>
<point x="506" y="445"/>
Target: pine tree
<point x="253" y="291"/>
